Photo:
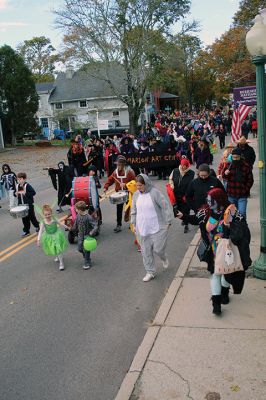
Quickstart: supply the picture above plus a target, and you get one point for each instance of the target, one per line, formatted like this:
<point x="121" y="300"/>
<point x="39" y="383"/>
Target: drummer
<point x="120" y="177"/>
<point x="25" y="194"/>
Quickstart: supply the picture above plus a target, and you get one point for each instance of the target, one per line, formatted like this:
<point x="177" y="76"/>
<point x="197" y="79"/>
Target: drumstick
<point x="120" y="183"/>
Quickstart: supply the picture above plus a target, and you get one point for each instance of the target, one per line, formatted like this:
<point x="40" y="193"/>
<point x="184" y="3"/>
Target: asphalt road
<point x="72" y="335"/>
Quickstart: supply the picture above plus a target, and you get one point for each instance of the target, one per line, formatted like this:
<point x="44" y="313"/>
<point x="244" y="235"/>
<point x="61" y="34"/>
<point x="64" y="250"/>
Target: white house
<point x="80" y="97"/>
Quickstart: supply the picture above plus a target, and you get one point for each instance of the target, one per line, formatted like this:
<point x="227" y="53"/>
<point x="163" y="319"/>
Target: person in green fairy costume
<point x="52" y="238"/>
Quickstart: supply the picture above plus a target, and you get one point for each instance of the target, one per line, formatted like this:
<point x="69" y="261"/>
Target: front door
<point x="45" y="127"/>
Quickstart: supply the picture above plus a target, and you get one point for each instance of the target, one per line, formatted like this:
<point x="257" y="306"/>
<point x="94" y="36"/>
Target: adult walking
<point x="218" y="219"/>
<point x="179" y="180"/>
<point x="247" y="152"/>
<point x="202" y="154"/>
<point x="151" y="218"/>
<point x="197" y="191"/>
<point x="221" y="133"/>
<point x="239" y="177"/>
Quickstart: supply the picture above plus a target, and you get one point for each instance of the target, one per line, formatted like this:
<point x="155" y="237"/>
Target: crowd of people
<point x="217" y="199"/>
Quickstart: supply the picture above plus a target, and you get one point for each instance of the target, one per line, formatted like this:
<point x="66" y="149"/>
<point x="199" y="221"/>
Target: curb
<point x="127" y="387"/>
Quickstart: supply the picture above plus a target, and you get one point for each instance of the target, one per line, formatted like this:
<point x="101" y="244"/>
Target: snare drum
<point x="118" y="197"/>
<point x="19" y="211"/>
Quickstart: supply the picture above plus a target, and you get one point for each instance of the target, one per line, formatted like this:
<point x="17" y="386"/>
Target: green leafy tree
<point x="40" y="57"/>
<point x="127" y="32"/>
<point x="248" y="9"/>
<point x="18" y="97"/>
<point x="189" y="47"/>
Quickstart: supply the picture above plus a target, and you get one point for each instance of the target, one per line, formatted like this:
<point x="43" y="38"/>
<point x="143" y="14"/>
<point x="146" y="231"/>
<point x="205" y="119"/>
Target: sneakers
<point x="61" y="267"/>
<point x="148" y="277"/>
<point x="86" y="266"/>
<point x="139" y="248"/>
<point x="24" y="234"/>
<point x="59" y="209"/>
<point x="166" y="264"/>
<point x="56" y="259"/>
<point x="118" y="228"/>
<point x="37" y="229"/>
<point x="186" y="229"/>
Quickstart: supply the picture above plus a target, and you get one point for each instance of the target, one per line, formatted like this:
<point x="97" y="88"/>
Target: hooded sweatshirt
<point x="160" y="203"/>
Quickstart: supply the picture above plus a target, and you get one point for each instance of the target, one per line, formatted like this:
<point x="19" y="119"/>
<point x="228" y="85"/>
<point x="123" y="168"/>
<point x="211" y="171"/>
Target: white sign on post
<point x="102" y="124"/>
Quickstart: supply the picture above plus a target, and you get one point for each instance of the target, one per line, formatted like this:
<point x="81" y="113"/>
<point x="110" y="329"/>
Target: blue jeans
<point x="241" y="204"/>
<point x="217" y="281"/>
<point x="86" y="254"/>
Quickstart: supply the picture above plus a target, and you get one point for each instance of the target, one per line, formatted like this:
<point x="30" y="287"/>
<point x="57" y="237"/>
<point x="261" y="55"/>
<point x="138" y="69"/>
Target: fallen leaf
<point x="235" y="388"/>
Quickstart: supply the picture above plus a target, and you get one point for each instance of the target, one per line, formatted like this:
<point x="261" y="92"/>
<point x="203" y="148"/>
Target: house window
<point x="116" y="113"/>
<point x="44" y="123"/>
<point x="58" y="106"/>
<point x="83" y="103"/>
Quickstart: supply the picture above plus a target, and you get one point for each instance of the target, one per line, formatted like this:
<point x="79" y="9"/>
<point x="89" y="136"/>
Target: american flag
<point x="239" y="117"/>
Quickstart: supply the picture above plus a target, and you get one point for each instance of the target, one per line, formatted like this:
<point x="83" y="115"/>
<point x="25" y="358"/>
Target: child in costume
<point x="25" y="194"/>
<point x="51" y="238"/>
<point x="86" y="225"/>
<point x="8" y="181"/>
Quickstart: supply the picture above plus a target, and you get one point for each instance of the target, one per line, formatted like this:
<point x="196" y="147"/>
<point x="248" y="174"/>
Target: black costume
<point x="62" y="181"/>
<point x="181" y="183"/>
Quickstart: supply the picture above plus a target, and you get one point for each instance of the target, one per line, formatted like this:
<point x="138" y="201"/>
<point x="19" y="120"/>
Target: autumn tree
<point x="248" y="9"/>
<point x="122" y="31"/>
<point x="39" y="55"/>
<point x="18" y="97"/>
<point x="226" y="63"/>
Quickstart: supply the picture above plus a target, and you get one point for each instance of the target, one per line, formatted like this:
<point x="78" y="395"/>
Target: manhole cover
<point x="213" y="396"/>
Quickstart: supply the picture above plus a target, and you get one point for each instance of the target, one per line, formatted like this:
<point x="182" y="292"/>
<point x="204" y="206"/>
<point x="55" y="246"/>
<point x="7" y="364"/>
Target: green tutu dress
<point x="53" y="240"/>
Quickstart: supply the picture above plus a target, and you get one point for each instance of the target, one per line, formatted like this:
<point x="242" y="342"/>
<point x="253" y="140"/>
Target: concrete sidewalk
<point x="188" y="353"/>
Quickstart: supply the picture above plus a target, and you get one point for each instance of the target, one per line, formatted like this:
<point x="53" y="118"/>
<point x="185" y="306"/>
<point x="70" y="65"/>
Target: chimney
<point x="70" y="72"/>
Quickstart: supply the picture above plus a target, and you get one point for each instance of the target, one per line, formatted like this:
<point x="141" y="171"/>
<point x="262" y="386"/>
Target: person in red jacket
<point x="111" y="154"/>
<point x="120" y="177"/>
<point x="239" y="177"/>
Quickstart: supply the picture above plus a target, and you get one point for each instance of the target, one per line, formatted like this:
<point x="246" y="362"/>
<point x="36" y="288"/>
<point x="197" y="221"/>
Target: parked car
<point x="30" y="135"/>
<point x="109" y="132"/>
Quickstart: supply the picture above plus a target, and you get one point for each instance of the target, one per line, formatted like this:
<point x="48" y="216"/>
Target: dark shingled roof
<point x="44" y="87"/>
<point x="165" y="95"/>
<point x="86" y="84"/>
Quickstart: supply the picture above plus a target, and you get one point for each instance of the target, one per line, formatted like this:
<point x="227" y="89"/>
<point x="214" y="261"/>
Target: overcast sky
<point x="22" y="19"/>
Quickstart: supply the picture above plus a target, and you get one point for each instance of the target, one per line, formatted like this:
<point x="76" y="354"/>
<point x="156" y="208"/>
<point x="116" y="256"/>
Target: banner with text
<point x="245" y="95"/>
<point x="153" y="160"/>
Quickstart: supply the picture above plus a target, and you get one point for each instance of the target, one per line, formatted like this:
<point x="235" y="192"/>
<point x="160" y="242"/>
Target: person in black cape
<point x="62" y="182"/>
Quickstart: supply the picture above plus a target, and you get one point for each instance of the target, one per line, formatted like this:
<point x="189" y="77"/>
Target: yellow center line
<point x="18" y="249"/>
<point x="30" y="239"/>
<point x="17" y="244"/>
